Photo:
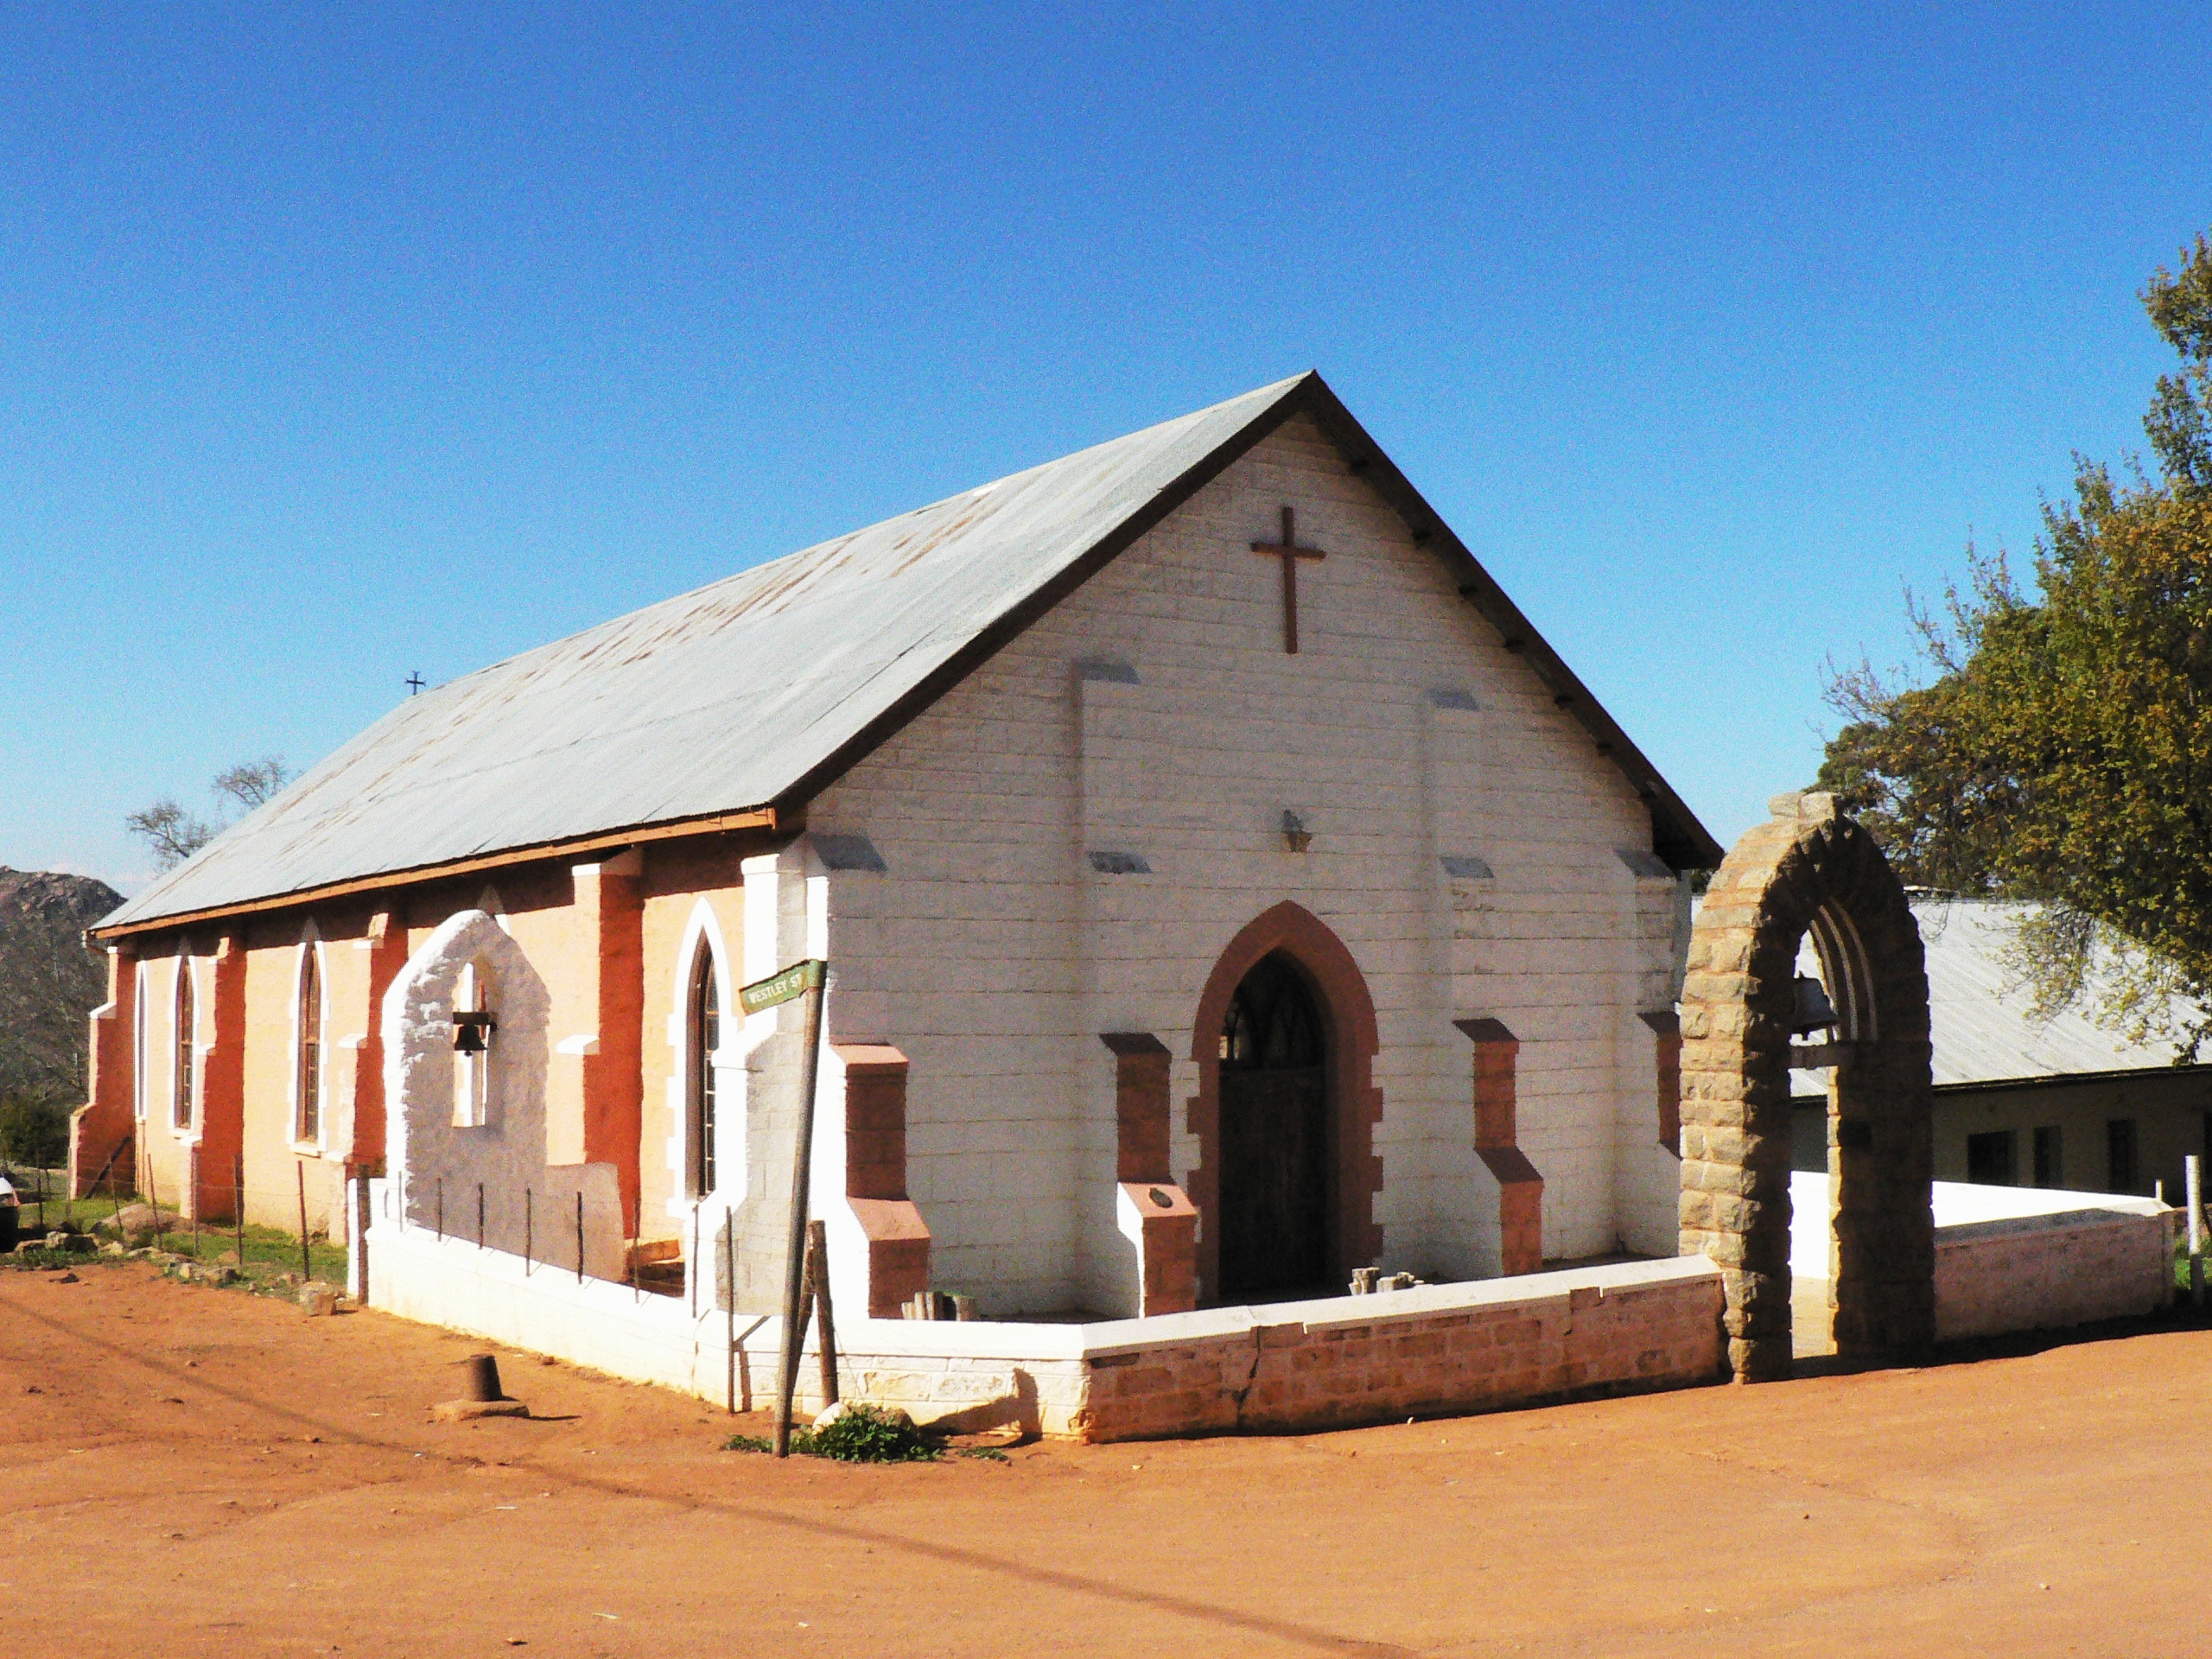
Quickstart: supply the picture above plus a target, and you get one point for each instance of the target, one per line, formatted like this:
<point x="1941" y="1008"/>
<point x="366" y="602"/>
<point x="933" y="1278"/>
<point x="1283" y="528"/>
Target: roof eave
<point x="763" y="818"/>
<point x="1677" y="835"/>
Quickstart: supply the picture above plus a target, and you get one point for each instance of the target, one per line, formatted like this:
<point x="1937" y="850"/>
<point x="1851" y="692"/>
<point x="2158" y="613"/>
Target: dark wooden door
<point x="1274" y="1194"/>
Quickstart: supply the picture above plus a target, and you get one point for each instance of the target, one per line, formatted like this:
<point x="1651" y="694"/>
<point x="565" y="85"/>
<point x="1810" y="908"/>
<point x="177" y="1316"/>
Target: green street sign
<point x="795" y="980"/>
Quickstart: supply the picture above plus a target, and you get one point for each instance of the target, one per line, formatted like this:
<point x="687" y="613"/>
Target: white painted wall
<point x="993" y="956"/>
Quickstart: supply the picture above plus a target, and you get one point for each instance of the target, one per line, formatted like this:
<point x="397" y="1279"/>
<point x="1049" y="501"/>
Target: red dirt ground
<point x="195" y="1471"/>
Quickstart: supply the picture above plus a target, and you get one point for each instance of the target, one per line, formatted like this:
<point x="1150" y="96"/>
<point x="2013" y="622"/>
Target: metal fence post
<point x="2193" y="1167"/>
<point x="307" y="1267"/>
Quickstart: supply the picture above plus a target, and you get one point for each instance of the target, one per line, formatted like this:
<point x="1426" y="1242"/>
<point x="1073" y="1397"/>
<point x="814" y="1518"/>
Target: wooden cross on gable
<point x="1290" y="553"/>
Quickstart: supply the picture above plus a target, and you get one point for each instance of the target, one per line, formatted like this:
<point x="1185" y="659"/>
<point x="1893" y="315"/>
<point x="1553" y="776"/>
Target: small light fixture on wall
<point x="1295" y="835"/>
<point x="471" y="1031"/>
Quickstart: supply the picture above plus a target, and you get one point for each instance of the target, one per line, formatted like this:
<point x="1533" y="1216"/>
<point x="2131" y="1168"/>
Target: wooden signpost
<point x="802" y="979"/>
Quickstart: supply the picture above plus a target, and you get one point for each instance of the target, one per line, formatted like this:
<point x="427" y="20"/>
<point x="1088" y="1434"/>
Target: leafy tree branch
<point x="2059" y="747"/>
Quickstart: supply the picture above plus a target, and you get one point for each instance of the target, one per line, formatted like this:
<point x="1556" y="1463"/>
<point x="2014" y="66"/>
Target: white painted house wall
<point x="994" y="956"/>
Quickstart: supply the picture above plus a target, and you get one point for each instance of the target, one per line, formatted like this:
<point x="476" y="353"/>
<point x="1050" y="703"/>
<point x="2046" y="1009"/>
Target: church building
<point x="1224" y="889"/>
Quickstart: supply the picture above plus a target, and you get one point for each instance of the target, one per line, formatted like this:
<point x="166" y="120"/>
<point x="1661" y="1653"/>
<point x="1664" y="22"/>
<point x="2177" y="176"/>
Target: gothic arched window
<point x="703" y="1028"/>
<point x="186" y="1025"/>
<point x="140" y="1051"/>
<point x="307" y="1118"/>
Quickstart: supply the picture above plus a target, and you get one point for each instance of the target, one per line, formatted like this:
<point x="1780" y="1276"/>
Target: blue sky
<point x="340" y="342"/>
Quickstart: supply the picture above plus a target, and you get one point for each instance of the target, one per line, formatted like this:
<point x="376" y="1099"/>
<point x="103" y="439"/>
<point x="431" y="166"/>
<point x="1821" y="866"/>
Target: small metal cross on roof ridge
<point x="414" y="682"/>
<point x="1290" y="553"/>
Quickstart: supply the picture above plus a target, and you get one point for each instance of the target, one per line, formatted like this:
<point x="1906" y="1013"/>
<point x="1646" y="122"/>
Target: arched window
<point x="186" y="1025"/>
<point x="473" y="1026"/>
<point x="307" y="1093"/>
<point x="703" y="1036"/>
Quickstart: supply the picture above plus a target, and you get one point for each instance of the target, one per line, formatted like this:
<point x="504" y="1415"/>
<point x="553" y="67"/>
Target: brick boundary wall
<point x="2046" y="1273"/>
<point x="1440" y="1350"/>
<point x="1436" y="1351"/>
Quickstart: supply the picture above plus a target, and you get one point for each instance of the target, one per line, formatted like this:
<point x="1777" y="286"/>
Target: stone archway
<point x="1810" y="870"/>
<point x="1354" y="1171"/>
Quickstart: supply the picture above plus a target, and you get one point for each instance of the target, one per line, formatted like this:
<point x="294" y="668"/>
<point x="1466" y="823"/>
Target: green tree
<point x="2061" y="751"/>
<point x="33" y="1130"/>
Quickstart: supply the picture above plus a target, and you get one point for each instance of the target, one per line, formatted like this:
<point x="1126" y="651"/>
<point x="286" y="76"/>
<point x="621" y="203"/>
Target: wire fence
<point x="257" y="1252"/>
<point x="555" y="1232"/>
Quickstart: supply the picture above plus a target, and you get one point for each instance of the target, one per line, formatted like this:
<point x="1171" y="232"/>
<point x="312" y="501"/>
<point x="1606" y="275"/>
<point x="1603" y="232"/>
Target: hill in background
<point x="49" y="983"/>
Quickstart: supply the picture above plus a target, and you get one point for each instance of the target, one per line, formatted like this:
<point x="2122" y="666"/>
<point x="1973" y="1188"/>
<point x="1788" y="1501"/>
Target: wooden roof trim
<point x="760" y="818"/>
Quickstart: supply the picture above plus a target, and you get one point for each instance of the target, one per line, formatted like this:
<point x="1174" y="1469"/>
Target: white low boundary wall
<point x="543" y="1309"/>
<point x="2007" y="1259"/>
<point x="2012" y="1258"/>
<point x="1436" y="1350"/>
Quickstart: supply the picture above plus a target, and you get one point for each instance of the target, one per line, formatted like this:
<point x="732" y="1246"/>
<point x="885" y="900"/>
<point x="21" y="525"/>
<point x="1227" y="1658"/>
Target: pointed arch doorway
<point x="1284" y="1041"/>
<point x="1274" y="1137"/>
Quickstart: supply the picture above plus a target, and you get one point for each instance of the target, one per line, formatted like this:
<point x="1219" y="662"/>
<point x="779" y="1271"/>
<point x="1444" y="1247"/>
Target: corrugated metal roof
<point x="760" y="687"/>
<point x="1981" y="1017"/>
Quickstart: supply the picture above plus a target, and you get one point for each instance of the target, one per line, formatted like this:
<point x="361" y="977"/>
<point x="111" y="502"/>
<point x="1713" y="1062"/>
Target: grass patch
<point x="270" y="1253"/>
<point x="861" y="1434"/>
<point x="2181" y="1262"/>
<point x="45" y="1260"/>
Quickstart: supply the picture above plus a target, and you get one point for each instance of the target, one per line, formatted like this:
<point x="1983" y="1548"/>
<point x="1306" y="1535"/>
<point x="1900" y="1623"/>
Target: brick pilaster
<point x="206" y="1194"/>
<point x="385" y="941"/>
<point x="875" y="1175"/>
<point x="1140" y="1105"/>
<point x="102" y="1132"/>
<point x="611" y="896"/>
<point x="1520" y="1187"/>
<point x="1166" y="1222"/>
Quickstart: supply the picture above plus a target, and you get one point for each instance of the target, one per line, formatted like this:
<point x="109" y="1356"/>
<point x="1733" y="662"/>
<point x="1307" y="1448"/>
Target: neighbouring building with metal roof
<point x="2023" y="1099"/>
<point x="1226" y="890"/>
